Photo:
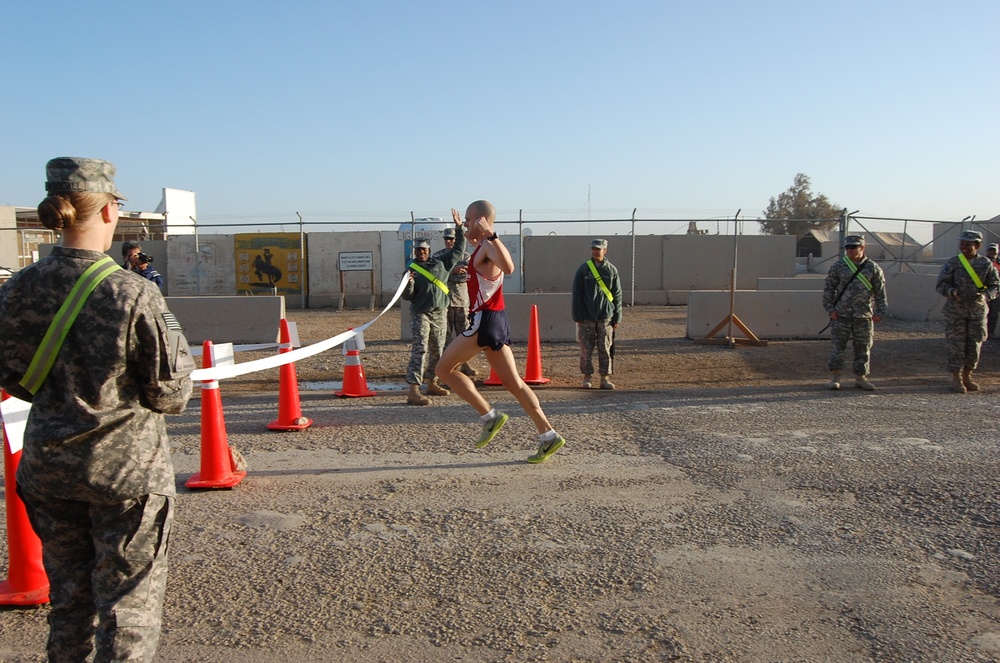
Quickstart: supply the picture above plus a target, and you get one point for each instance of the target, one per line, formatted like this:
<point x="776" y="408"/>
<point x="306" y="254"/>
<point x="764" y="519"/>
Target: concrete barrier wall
<point x="800" y="282"/>
<point x="550" y="262"/>
<point x="768" y="314"/>
<point x="555" y="317"/>
<point x="913" y="297"/>
<point x="325" y="274"/>
<point x="209" y="270"/>
<point x="669" y="269"/>
<point x="698" y="262"/>
<point x="234" y="319"/>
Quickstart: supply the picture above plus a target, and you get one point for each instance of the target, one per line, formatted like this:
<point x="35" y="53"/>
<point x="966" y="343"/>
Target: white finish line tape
<point x="235" y="370"/>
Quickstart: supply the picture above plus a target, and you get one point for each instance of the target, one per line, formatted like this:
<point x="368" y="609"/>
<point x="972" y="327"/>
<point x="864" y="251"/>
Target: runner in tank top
<point x="489" y="334"/>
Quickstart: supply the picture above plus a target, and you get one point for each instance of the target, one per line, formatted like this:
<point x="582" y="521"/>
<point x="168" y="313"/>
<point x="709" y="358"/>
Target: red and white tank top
<point x="484" y="294"/>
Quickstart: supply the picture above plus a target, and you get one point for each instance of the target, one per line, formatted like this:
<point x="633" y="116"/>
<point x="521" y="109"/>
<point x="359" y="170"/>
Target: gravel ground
<point x="719" y="506"/>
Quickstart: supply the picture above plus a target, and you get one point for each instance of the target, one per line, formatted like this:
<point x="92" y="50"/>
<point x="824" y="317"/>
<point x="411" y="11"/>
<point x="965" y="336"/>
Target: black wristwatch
<point x="492" y="237"/>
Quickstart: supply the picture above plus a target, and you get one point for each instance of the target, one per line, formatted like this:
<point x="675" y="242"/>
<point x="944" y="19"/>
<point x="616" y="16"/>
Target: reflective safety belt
<point x="54" y="337"/>
<point x="975" y="277"/>
<point x="430" y="277"/>
<point x="600" y="281"/>
<point x="857" y="272"/>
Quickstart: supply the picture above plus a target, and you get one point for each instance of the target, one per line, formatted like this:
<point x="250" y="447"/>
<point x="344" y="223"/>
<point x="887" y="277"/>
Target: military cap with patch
<point x="971" y="236"/>
<point x="599" y="244"/>
<point x="854" y="240"/>
<point x="421" y="243"/>
<point x="993" y="247"/>
<point x="449" y="233"/>
<point x="64" y="174"/>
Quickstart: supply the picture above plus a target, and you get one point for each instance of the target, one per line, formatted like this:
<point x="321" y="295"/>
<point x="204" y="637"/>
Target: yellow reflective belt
<point x="972" y="272"/>
<point x="430" y="277"/>
<point x="600" y="281"/>
<point x="54" y="337"/>
<point x="861" y="277"/>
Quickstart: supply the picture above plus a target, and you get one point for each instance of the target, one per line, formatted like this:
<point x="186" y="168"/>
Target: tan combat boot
<point x="434" y="388"/>
<point x="415" y="397"/>
<point x="587" y="382"/>
<point x="967" y="380"/>
<point x="861" y="382"/>
<point x="834" y="383"/>
<point x="956" y="382"/>
<point x="606" y="382"/>
<point x="468" y="371"/>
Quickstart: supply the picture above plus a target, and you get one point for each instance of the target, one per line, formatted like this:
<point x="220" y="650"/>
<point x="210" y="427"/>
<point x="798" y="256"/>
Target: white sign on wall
<point x="356" y="261"/>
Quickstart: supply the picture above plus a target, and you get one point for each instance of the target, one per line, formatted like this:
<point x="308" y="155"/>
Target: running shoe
<point x="490" y="429"/>
<point x="546" y="449"/>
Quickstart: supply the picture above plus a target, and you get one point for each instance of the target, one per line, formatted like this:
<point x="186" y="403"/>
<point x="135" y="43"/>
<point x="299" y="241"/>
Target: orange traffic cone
<point x="533" y="366"/>
<point x="493" y="380"/>
<point x="355" y="385"/>
<point x="218" y="468"/>
<point x="289" y="411"/>
<point x="27" y="583"/>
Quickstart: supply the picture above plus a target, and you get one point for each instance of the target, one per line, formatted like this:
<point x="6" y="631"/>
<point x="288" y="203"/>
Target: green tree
<point x="797" y="211"/>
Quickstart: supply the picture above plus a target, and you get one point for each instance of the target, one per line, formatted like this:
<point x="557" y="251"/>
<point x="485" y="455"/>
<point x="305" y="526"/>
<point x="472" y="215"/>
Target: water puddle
<point x="336" y="385"/>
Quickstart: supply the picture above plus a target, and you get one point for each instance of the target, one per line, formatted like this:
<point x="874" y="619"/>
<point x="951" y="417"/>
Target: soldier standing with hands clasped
<point x="852" y="286"/>
<point x="597" y="312"/>
<point x="969" y="281"/>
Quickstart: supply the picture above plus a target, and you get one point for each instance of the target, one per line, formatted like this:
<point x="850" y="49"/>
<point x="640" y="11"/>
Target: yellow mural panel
<point x="269" y="263"/>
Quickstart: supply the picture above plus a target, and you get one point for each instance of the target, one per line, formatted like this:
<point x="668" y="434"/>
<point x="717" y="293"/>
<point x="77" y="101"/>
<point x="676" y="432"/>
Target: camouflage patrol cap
<point x="993" y="247"/>
<point x="971" y="236"/>
<point x="854" y="240"/>
<point x="599" y="244"/>
<point x="449" y="233"/>
<point x="421" y="243"/>
<point x="64" y="174"/>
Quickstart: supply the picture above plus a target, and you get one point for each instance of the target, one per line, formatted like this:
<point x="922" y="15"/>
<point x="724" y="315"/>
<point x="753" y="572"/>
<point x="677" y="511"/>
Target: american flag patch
<point x="171" y="322"/>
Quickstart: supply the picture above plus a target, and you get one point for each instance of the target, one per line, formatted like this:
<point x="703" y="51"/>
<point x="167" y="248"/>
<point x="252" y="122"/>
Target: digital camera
<point x="144" y="257"/>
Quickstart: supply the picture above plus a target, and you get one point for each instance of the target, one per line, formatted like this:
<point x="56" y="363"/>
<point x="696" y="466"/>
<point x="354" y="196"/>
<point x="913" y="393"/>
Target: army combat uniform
<point x="854" y="311"/>
<point x="95" y="472"/>
<point x="595" y="314"/>
<point x="458" y="298"/>
<point x="428" y="309"/>
<point x="965" y="317"/>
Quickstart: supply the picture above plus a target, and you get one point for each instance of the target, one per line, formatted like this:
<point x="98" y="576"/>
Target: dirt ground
<point x="720" y="505"/>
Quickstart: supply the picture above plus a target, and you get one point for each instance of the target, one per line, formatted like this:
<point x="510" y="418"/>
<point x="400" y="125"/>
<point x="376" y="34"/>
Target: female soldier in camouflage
<point x="95" y="473"/>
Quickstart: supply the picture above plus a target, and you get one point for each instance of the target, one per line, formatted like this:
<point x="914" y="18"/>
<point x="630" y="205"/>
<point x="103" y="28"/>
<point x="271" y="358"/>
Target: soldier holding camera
<point x="139" y="262"/>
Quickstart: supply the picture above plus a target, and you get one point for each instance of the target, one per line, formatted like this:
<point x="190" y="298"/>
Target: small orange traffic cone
<point x="289" y="410"/>
<point x="218" y="468"/>
<point x="533" y="366"/>
<point x="27" y="583"/>
<point x="493" y="380"/>
<point x="355" y="385"/>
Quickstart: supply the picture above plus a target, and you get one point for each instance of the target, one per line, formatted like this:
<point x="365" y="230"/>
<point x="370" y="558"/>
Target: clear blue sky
<point x="676" y="108"/>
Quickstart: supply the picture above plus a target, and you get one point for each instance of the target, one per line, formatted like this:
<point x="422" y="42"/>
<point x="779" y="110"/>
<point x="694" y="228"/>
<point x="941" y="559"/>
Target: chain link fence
<point x="902" y="244"/>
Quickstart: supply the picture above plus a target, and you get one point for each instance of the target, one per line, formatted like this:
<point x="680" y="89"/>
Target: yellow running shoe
<point x="546" y="449"/>
<point x="491" y="429"/>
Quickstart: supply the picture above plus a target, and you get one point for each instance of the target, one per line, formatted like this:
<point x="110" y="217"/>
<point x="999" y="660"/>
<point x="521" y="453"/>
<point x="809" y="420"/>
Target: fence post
<point x="632" y="296"/>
